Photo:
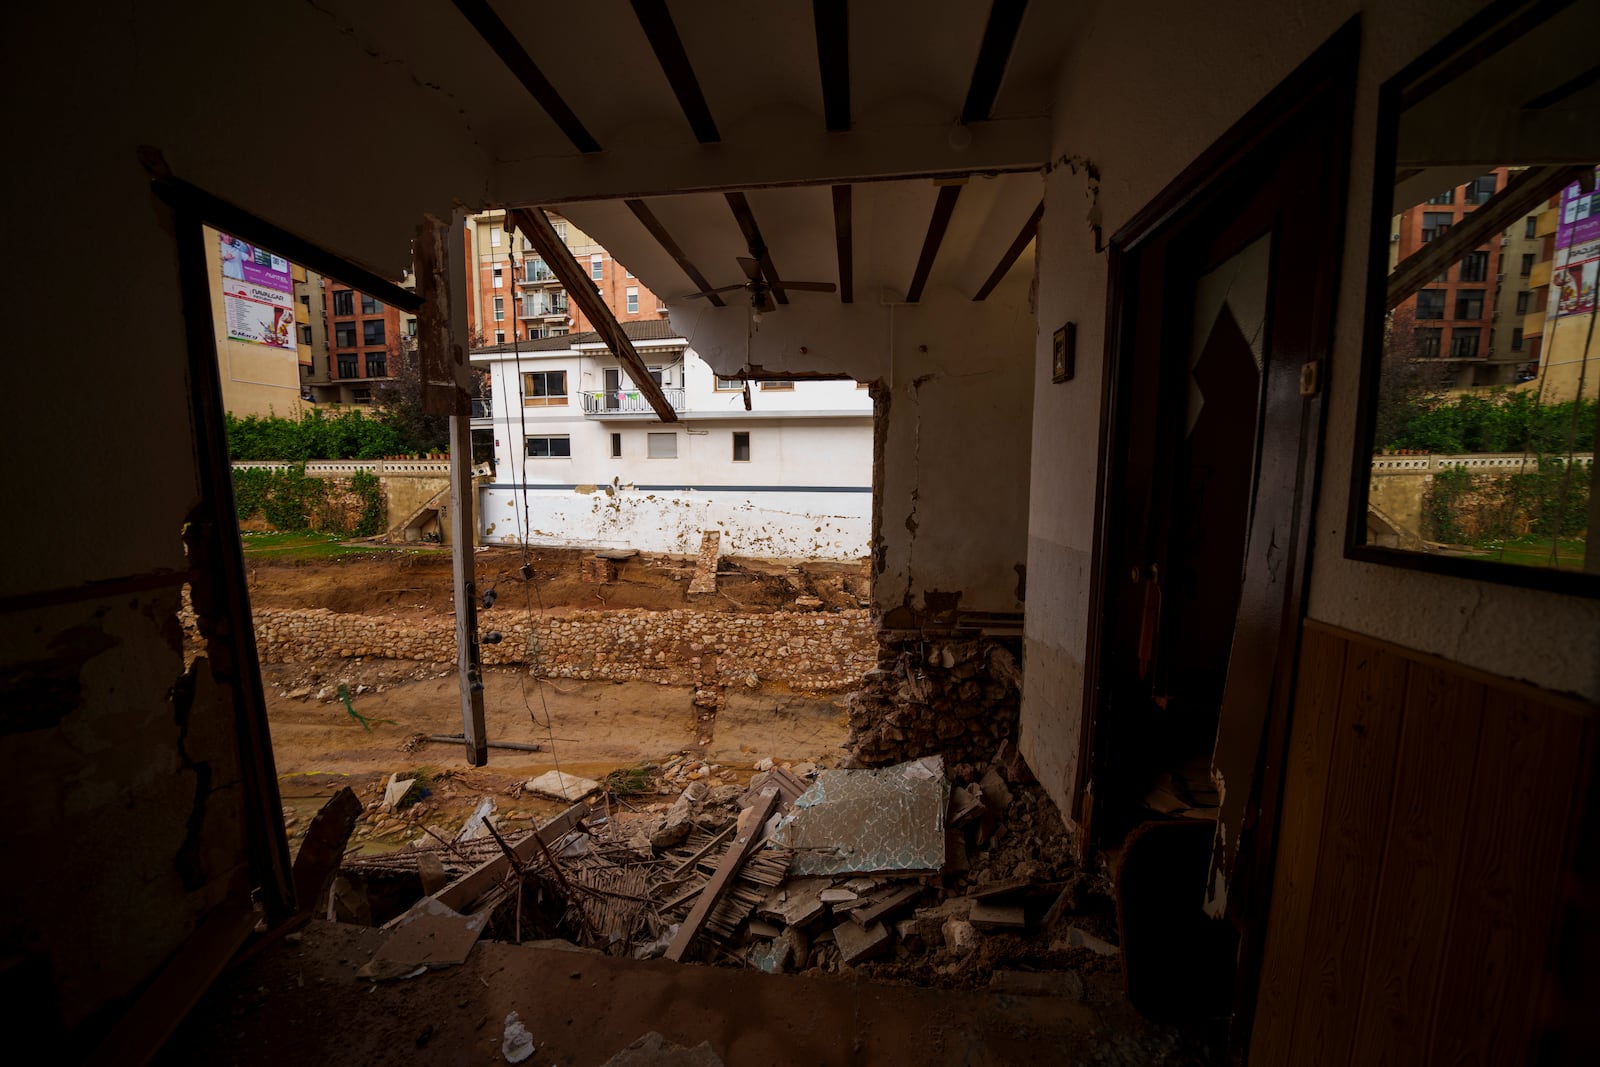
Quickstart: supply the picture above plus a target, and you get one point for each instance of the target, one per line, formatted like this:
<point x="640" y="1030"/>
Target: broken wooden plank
<point x="857" y="943"/>
<point x="751" y="821"/>
<point x="795" y="903"/>
<point x="464" y="891"/>
<point x="323" y="848"/>
<point x="876" y="910"/>
<point x="987" y="916"/>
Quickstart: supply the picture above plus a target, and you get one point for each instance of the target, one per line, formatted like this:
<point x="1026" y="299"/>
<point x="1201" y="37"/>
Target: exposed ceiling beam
<point x="1527" y="190"/>
<point x="774" y="156"/>
<point x="1030" y="229"/>
<point x="1575" y="84"/>
<point x="580" y="288"/>
<point x="943" y="208"/>
<point x="832" y="19"/>
<point x="499" y="37"/>
<point x="643" y="213"/>
<point x="662" y="34"/>
<point x="842" y="239"/>
<point x="1005" y="19"/>
<point x="757" y="245"/>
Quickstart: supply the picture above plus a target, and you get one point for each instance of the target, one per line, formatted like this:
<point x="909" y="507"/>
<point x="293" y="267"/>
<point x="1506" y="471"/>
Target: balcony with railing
<point x="623" y="403"/>
<point x="538" y="274"/>
<point x="482" y="409"/>
<point x="543" y="306"/>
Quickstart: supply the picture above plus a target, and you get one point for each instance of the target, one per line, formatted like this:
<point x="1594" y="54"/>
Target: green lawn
<point x="1535" y="552"/>
<point x="304" y="545"/>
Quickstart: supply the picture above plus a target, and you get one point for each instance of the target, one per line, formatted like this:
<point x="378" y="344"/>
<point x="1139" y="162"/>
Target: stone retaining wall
<point x="809" y="651"/>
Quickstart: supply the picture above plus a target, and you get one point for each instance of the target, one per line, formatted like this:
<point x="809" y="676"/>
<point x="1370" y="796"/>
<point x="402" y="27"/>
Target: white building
<point x="581" y="459"/>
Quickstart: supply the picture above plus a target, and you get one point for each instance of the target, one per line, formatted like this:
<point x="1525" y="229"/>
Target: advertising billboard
<point x="1572" y="279"/>
<point x="257" y="294"/>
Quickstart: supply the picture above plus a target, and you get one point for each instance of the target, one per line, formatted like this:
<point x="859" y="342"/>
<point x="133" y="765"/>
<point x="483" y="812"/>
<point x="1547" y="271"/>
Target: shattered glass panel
<point x="864" y="821"/>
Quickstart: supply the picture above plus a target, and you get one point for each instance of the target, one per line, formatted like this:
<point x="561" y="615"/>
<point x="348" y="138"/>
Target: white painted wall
<point x="1115" y="104"/>
<point x="805" y="491"/>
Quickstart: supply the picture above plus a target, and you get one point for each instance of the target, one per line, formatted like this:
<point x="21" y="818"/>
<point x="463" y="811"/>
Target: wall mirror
<point x="1475" y="447"/>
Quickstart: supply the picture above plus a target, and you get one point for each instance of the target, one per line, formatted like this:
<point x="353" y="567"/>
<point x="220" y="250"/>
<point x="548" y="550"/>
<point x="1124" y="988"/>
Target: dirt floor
<point x="584" y="728"/>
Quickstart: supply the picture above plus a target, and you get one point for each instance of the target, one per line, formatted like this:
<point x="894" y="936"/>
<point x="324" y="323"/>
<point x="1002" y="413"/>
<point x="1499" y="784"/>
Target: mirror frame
<point x="1464" y="43"/>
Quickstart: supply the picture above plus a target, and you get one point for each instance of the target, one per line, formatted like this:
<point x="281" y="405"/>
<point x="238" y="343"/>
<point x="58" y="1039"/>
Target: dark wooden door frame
<point x="1324" y="82"/>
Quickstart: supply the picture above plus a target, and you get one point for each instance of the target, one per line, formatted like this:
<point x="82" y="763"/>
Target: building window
<point x="370" y="305"/>
<point x="361" y="396"/>
<point x="499" y="337"/>
<point x="1527" y="264"/>
<point x="1469" y="303"/>
<point x="628" y="272"/>
<point x="1530" y="225"/>
<point x="741" y="446"/>
<point x="661" y="445"/>
<point x="344" y="335"/>
<point x="305" y="334"/>
<point x="776" y="385"/>
<point x="497" y="278"/>
<point x="616" y="446"/>
<point x="347" y="367"/>
<point x="1427" y="340"/>
<point x="1446" y="197"/>
<point x="556" y="446"/>
<point x="372" y="332"/>
<point x="633" y="299"/>
<point x="499" y="309"/>
<point x="1464" y="344"/>
<point x="1480" y="190"/>
<point x="597" y="266"/>
<point x="1522" y="302"/>
<point x="344" y="302"/>
<point x="544" y="388"/>
<point x="1435" y="223"/>
<point x="560" y="226"/>
<point x="1430" y="304"/>
<point x="305" y="298"/>
<point x="557" y="331"/>
<point x="377" y="365"/>
<point x="1516" y="339"/>
<point x="494" y="237"/>
<point x="526" y="244"/>
<point x="1475" y="267"/>
<point x="729" y="385"/>
<point x="411" y="327"/>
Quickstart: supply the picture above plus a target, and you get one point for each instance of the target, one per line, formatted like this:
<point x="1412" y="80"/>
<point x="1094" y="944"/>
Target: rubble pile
<point x="919" y="870"/>
<point x="957" y="695"/>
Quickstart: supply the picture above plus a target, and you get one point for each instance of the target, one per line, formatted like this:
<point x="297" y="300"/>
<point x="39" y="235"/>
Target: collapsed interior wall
<point x="1114" y="106"/>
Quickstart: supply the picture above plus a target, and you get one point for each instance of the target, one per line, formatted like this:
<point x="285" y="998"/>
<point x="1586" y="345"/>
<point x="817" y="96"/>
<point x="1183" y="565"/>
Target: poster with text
<point x="257" y="294"/>
<point x="1577" y="262"/>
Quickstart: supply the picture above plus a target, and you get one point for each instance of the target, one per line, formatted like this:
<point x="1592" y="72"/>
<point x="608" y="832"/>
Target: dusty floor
<point x="300" y="1002"/>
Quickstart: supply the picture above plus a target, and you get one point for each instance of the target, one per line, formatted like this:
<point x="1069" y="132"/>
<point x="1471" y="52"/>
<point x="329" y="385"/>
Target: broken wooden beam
<point x="533" y="225"/>
<point x="751" y="821"/>
<point x="510" y="746"/>
<point x="323" y="848"/>
<point x="461" y="893"/>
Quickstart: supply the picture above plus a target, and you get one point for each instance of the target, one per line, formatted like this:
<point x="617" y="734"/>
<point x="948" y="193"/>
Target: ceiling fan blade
<point x="767" y="303"/>
<point x="751" y="268"/>
<point x="810" y="287"/>
<point x="711" y="292"/>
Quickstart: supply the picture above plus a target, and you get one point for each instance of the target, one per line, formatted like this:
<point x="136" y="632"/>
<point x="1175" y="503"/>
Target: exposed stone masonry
<point x="954" y="694"/>
<point x="808" y="651"/>
<point x="705" y="566"/>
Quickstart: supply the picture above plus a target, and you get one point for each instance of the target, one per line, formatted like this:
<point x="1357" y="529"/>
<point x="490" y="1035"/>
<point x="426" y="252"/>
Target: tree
<point x="399" y="398"/>
<point x="1409" y="378"/>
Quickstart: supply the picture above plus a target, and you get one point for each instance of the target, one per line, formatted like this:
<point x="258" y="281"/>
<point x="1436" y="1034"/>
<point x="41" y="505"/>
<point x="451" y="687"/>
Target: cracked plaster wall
<point x="123" y="825"/>
<point x="1114" y="105"/>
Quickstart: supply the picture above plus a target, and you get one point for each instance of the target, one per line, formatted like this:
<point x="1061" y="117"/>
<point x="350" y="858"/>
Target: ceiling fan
<point x="759" y="288"/>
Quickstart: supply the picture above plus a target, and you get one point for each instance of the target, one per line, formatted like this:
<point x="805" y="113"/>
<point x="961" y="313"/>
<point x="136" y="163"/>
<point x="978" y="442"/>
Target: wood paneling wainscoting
<point x="1429" y="812"/>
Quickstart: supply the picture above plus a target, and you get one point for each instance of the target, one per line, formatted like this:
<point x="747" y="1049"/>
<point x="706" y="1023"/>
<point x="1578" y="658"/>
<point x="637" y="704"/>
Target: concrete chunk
<point x="857" y="943"/>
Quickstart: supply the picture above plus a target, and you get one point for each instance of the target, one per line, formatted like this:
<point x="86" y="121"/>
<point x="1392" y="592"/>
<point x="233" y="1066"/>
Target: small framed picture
<point x="1064" y="353"/>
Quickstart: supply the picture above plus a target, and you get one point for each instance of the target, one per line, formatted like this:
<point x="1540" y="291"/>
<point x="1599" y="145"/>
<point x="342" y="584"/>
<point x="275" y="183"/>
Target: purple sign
<point x="249" y="263"/>
<point x="1580" y="216"/>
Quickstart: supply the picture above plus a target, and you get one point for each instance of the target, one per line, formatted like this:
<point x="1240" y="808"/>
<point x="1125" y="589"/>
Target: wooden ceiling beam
<point x="832" y="20"/>
<point x="943" y="208"/>
<point x="1030" y="230"/>
<point x="642" y="212"/>
<point x="842" y="240"/>
<point x="580" y="288"/>
<point x="999" y="35"/>
<point x="1532" y="187"/>
<point x="498" y="36"/>
<point x="662" y="33"/>
<point x="756" y="244"/>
